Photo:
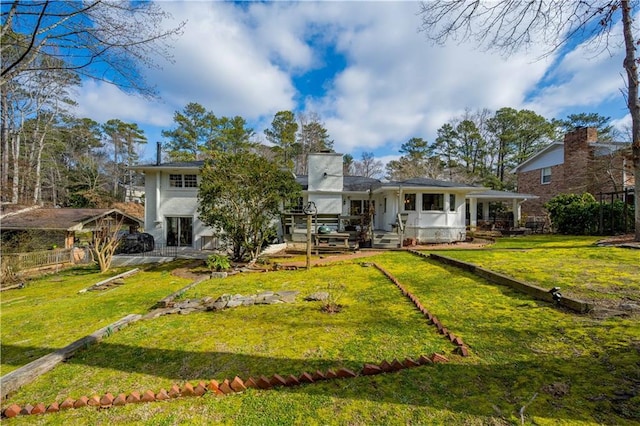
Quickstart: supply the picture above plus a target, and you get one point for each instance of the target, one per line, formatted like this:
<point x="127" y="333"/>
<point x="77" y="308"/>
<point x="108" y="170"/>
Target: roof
<point x="537" y="155"/>
<point x="53" y="219"/>
<point x="191" y="165"/>
<point x="430" y="183"/>
<point x="361" y="183"/>
<point x="605" y="147"/>
<point x="505" y="195"/>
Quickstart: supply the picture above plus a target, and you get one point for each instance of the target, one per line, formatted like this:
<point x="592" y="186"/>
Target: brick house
<point x="578" y="164"/>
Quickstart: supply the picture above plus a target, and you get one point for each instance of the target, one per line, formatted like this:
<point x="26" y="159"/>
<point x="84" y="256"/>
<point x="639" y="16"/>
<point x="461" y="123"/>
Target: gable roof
<point x="602" y="148"/>
<point x="52" y="219"/>
<point x="537" y="155"/>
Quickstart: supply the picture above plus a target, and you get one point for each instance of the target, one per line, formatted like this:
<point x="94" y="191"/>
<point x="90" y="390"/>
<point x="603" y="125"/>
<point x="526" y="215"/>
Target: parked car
<point x="136" y="243"/>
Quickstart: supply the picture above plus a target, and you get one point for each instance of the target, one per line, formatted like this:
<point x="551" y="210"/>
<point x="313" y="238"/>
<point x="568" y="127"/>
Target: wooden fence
<point x="20" y="262"/>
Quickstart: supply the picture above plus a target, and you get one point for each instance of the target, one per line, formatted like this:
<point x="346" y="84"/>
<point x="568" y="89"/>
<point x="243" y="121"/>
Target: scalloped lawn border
<point x="226" y="387"/>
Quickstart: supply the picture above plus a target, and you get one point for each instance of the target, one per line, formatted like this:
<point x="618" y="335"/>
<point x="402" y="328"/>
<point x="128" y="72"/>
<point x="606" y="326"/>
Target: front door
<point x="180" y="231"/>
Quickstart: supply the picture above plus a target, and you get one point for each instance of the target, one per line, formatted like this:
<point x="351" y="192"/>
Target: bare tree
<point x="104" y="40"/>
<point x="507" y="26"/>
<point x="105" y="242"/>
<point x="368" y="166"/>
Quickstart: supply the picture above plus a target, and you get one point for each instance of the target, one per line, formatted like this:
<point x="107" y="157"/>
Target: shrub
<point x="218" y="262"/>
<point x="583" y="215"/>
<point x="573" y="213"/>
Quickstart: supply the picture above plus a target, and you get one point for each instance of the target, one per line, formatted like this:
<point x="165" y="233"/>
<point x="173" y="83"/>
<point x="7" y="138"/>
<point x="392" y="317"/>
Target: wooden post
<point x="69" y="239"/>
<point x="308" y="242"/>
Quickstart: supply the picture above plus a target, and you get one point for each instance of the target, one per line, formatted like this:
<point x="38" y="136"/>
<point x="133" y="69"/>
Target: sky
<point x="363" y="67"/>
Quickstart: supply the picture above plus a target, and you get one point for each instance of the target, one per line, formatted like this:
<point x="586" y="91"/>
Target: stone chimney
<point x="578" y="159"/>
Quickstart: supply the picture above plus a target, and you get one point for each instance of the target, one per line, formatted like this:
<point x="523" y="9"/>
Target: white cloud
<point x="242" y="59"/>
<point x="398" y="86"/>
<point x="219" y="64"/>
<point x="583" y="79"/>
<point x="103" y="101"/>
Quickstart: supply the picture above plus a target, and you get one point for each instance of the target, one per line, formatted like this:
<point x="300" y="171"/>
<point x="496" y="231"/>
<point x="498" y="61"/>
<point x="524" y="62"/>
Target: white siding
<point x="327" y="203"/>
<point x="550" y="158"/>
<point x="325" y="172"/>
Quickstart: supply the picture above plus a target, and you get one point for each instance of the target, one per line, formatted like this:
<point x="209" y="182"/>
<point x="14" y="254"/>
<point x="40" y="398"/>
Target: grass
<point x="582" y="269"/>
<point x="49" y="313"/>
<point x="582" y="370"/>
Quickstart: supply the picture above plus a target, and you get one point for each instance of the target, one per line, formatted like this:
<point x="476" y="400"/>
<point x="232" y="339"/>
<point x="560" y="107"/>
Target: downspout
<point x="158" y="175"/>
<point x="399" y="218"/>
<point x="158" y="180"/>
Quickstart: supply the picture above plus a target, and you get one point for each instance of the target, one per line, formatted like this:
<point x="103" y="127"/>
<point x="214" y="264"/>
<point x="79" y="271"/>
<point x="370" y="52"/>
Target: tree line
<point x="46" y="48"/>
<point x="482" y="147"/>
<point x="51" y="156"/>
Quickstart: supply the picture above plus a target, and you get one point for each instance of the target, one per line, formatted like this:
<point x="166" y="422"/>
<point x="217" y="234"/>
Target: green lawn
<point x="569" y="369"/>
<point x="576" y="264"/>
<point x="49" y="313"/>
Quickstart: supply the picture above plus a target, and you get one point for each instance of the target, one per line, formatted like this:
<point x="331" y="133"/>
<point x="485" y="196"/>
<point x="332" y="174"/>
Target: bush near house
<point x="574" y="214"/>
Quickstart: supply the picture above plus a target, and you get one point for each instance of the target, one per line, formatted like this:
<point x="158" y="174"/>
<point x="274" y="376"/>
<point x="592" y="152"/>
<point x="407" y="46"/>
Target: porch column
<point x="473" y="213"/>
<point x="485" y="210"/>
<point x="517" y="213"/>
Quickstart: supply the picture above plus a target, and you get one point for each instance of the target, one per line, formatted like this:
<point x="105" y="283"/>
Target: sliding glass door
<point x="180" y="231"/>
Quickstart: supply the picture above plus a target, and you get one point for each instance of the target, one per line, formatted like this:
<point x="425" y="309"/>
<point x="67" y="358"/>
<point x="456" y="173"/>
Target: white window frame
<point x="407" y="201"/>
<point x="545" y="178"/>
<point x="439" y="195"/>
<point x="179" y="181"/>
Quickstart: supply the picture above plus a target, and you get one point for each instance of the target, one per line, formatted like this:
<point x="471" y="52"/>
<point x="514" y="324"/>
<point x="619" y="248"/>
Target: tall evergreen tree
<point x="282" y="134"/>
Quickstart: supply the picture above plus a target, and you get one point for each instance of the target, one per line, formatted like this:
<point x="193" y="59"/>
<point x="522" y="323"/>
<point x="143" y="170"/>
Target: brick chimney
<point x="578" y="159"/>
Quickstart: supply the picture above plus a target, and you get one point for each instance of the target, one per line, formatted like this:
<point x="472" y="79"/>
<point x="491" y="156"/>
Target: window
<point x="183" y="181"/>
<point x="546" y="175"/>
<point x="190" y="181"/>
<point x="175" y="181"/>
<point x="179" y="231"/>
<point x="433" y="202"/>
<point x="385" y="204"/>
<point x="409" y="202"/>
<point x="355" y="208"/>
<point x="358" y="207"/>
<point x="452" y="202"/>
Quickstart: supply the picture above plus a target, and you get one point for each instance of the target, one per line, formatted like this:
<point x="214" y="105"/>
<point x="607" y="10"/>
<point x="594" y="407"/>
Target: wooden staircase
<point x="386" y="240"/>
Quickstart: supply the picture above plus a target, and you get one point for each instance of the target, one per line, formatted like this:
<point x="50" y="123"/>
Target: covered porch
<point x="496" y="210"/>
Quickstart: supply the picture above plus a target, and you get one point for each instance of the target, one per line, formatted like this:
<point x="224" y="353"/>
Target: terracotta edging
<point x="237" y="385"/>
<point x="19" y="377"/>
<point x="461" y="347"/>
<point x="226" y="387"/>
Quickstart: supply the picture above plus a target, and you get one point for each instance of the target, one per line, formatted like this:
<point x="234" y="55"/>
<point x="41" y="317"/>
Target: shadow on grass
<point x="572" y="388"/>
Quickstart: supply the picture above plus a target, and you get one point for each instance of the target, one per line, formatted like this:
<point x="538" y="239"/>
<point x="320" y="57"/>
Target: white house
<point x="423" y="209"/>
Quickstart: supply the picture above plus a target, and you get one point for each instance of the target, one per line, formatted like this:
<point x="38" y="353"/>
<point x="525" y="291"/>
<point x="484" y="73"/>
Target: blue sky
<point x="363" y="67"/>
